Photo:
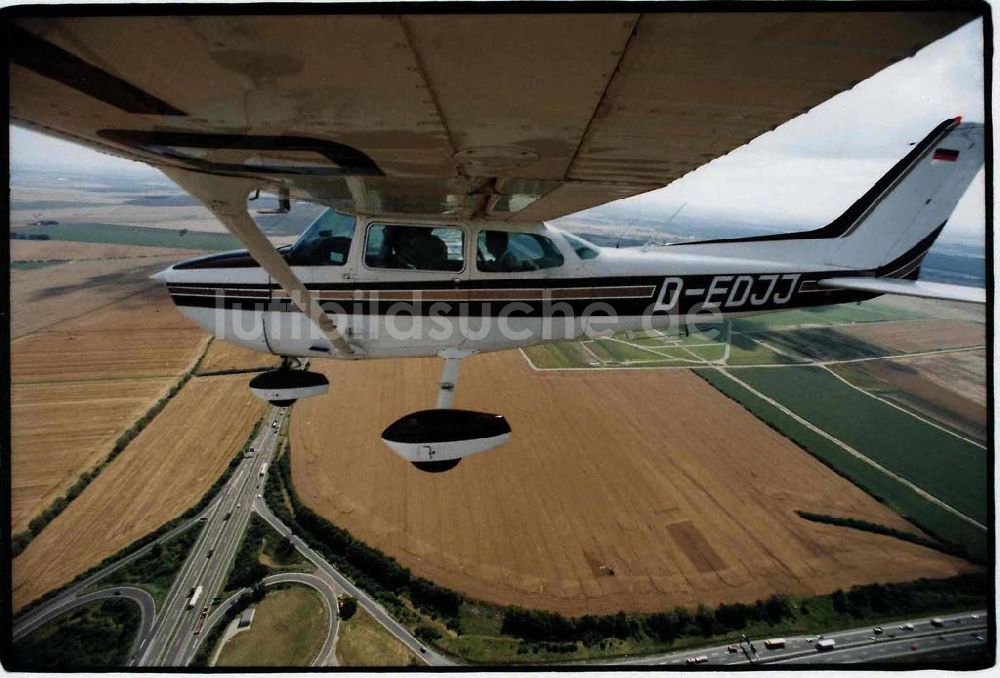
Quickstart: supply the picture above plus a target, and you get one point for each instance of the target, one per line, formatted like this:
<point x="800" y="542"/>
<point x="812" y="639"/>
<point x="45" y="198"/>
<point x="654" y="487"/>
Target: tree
<point x="284" y="548"/>
<point x="427" y="633"/>
<point x="156" y="552"/>
<point x="348" y="606"/>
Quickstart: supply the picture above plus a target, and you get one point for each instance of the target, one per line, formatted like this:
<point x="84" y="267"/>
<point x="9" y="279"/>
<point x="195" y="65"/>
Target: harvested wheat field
<point x="684" y="494"/>
<point x="47" y="250"/>
<point x="222" y="355"/>
<point x="964" y="372"/>
<point x="165" y="470"/>
<point x="911" y="336"/>
<point x="60" y="430"/>
<point x="141" y="336"/>
<point x="42" y="297"/>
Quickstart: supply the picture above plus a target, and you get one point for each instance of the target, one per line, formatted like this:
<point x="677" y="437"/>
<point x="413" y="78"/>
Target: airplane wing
<point x="500" y="116"/>
<point x="909" y="288"/>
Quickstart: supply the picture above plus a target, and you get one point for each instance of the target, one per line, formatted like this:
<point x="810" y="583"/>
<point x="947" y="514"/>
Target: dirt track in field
<point x="685" y="495"/>
<point x="164" y="471"/>
<point x="912" y="336"/>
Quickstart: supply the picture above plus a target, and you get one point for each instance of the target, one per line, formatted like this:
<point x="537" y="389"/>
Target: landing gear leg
<point x="449" y="376"/>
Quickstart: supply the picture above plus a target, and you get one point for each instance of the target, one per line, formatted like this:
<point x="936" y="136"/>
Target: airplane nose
<point x="161" y="276"/>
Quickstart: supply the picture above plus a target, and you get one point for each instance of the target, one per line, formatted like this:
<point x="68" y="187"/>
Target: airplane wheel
<point x="436" y="466"/>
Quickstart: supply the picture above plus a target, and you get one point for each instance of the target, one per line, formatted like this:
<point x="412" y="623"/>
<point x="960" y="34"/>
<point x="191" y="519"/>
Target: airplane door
<point x="406" y="273"/>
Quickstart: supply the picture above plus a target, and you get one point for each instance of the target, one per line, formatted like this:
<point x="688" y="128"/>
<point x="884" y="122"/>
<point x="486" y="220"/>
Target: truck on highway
<point x="774" y="643"/>
<point x="826" y="644"/>
<point x="263" y="470"/>
<point x="194" y="597"/>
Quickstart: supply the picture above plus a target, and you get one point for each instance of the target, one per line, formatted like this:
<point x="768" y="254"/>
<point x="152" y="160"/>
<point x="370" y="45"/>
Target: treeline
<point x="379" y="574"/>
<point x="158" y="532"/>
<point x="93" y="637"/>
<point x="20" y="541"/>
<point x="914" y="597"/>
<point x="247" y="569"/>
<point x="866" y="526"/>
<point x="552" y="627"/>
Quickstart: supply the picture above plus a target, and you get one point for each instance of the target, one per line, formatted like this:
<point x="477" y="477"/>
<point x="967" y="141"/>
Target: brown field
<point x="141" y="336"/>
<point x="964" y="373"/>
<point x="42" y="297"/>
<point x="683" y="493"/>
<point x="60" y="430"/>
<point x="223" y="355"/>
<point x="44" y="250"/>
<point x="912" y="336"/>
<point x="165" y="470"/>
<point x="945" y="391"/>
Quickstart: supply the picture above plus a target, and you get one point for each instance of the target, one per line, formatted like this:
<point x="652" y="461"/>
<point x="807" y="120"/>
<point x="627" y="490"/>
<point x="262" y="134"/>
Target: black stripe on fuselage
<point x="676" y="294"/>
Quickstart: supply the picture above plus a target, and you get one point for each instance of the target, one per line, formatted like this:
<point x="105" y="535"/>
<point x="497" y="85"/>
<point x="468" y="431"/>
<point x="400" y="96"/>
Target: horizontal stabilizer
<point x="909" y="288"/>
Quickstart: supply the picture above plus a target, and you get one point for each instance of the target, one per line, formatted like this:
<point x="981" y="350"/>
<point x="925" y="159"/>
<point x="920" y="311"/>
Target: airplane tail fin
<point x="890" y="228"/>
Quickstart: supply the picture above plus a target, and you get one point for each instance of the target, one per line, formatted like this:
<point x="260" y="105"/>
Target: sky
<point x="805" y="172"/>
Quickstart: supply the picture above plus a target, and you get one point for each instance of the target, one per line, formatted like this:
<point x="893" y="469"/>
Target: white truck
<point x="194" y="597"/>
<point x="774" y="643"/>
<point x="826" y="644"/>
<point x="263" y="470"/>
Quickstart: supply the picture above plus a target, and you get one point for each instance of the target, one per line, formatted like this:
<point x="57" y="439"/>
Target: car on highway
<point x="118" y="592"/>
<point x="913" y="647"/>
<point x="733" y="648"/>
<point x="978" y="636"/>
<point x="877" y="630"/>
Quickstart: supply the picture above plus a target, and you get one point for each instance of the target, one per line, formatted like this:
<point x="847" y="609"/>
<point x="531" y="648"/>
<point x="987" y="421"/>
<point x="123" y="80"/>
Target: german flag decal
<point x="945" y="155"/>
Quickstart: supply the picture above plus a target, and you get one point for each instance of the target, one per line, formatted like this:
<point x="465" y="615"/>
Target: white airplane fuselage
<point x="400" y="313"/>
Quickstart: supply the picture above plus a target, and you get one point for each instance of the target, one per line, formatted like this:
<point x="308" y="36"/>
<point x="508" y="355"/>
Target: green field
<point x="926" y="515"/>
<point x="820" y="343"/>
<point x="135" y="235"/>
<point x="953" y="470"/>
<point x="863" y="312"/>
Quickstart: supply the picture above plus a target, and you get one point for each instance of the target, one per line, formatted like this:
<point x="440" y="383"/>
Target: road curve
<point x="326" y="655"/>
<point x="426" y="654"/>
<point x="72" y="591"/>
<point x="147" y="611"/>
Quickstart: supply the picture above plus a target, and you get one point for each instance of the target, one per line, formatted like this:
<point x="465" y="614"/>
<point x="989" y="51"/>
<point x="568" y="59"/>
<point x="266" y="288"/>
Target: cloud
<point x="811" y="168"/>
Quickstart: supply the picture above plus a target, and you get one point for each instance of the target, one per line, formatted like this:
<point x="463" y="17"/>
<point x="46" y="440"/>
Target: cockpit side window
<point x="583" y="249"/>
<point x="416" y="248"/>
<point x="326" y="242"/>
<point x="507" y="252"/>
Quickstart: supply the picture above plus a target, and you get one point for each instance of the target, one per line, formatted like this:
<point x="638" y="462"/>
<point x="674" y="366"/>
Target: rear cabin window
<point x="505" y="252"/>
<point x="415" y="248"/>
<point x="326" y="242"/>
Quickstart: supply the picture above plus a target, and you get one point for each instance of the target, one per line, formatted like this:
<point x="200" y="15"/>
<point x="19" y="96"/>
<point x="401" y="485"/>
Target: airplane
<point x="442" y="144"/>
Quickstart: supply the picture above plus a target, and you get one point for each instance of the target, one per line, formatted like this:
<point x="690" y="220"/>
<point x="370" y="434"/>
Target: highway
<point x="853" y="645"/>
<point x="426" y="654"/>
<point x="72" y="593"/>
<point x="174" y="639"/>
<point x="327" y="653"/>
<point x="147" y="611"/>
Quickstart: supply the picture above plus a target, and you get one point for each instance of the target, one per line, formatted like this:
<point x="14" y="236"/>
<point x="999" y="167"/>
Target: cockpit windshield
<point x="583" y="249"/>
<point x="326" y="242"/>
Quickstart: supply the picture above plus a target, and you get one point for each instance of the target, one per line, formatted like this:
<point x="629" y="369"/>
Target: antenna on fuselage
<point x="665" y="224"/>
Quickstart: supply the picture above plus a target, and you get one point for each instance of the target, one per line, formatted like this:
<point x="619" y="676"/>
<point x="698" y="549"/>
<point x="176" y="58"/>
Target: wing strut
<point x="226" y="197"/>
